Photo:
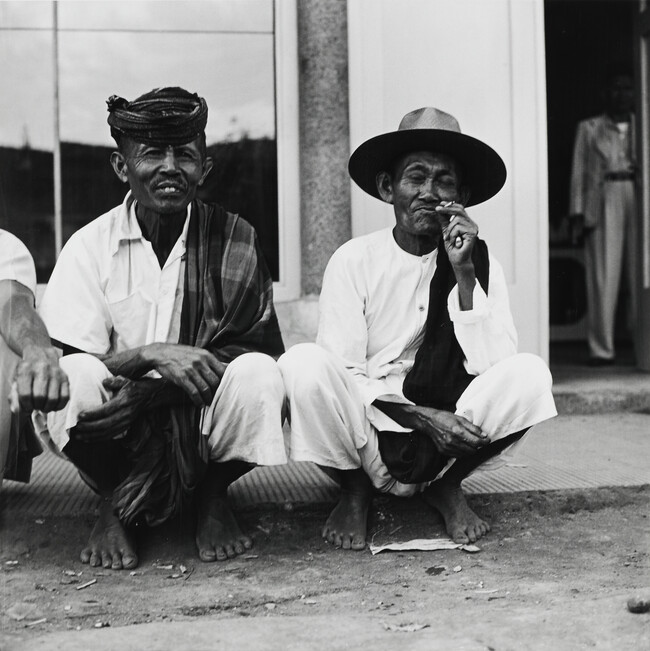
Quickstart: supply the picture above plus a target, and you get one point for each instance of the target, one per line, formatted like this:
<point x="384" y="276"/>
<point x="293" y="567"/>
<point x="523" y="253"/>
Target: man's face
<point x="619" y="94"/>
<point x="420" y="181"/>
<point x="163" y="178"/>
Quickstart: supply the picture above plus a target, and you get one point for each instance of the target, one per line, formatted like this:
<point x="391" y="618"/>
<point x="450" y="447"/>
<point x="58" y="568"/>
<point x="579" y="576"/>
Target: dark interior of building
<point x="583" y="37"/>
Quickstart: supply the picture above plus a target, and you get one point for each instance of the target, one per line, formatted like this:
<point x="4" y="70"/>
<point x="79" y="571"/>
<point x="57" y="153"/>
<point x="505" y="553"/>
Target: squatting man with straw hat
<point x="415" y="380"/>
<point x="163" y="308"/>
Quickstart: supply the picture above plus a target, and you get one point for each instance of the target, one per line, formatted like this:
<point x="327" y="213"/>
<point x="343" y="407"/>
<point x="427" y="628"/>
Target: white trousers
<point x="244" y="421"/>
<point x="329" y="425"/>
<point x="608" y="248"/>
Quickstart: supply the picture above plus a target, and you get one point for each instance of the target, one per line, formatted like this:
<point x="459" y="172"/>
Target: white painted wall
<point x="483" y="62"/>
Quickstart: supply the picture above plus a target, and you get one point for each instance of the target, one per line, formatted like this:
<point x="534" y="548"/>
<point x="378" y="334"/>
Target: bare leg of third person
<point x="446" y="494"/>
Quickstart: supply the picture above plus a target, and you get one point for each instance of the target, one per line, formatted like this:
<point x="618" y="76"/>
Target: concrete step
<point x="568" y="452"/>
<point x="586" y="390"/>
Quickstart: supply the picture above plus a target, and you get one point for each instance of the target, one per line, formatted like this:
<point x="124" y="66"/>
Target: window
<point x="63" y="60"/>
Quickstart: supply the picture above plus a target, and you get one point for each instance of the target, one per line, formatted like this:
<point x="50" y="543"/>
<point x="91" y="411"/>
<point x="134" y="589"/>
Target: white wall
<point x="483" y="62"/>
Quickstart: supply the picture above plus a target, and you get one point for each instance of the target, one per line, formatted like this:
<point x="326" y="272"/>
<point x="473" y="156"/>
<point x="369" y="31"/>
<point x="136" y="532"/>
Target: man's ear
<point x="207" y="166"/>
<point x="119" y="166"/>
<point x="385" y="186"/>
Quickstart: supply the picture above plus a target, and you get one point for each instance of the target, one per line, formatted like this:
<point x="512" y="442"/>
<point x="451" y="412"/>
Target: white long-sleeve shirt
<point x="373" y="309"/>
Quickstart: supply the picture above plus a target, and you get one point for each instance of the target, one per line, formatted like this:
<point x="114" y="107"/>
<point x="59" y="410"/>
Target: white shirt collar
<point x="405" y="255"/>
<point x="127" y="227"/>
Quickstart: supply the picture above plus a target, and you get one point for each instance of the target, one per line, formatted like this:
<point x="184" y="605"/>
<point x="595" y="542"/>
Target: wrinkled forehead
<point x="132" y="146"/>
<point x="426" y="160"/>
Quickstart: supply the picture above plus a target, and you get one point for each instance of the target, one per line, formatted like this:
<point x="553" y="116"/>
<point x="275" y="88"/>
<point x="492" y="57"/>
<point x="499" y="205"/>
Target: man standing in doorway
<point x="603" y="210"/>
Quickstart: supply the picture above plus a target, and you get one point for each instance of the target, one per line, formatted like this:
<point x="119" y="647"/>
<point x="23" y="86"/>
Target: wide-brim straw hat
<point x="430" y="129"/>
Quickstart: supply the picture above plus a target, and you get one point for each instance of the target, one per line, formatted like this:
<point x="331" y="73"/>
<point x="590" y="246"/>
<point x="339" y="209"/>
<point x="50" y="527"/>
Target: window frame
<point x="287" y="141"/>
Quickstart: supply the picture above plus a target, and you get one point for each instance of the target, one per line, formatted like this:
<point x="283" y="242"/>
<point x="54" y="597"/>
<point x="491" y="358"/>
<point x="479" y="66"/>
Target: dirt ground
<point x="555" y="573"/>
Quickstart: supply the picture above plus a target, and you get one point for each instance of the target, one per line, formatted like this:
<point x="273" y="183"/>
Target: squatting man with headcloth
<point x="163" y="307"/>
<point x="30" y="376"/>
<point x="415" y="380"/>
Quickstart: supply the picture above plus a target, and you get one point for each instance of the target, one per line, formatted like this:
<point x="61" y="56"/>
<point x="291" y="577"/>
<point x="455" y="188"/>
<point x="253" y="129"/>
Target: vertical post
<point x="324" y="135"/>
<point x="58" y="220"/>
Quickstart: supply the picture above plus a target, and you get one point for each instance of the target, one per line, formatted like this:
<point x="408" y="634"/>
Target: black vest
<point x="438" y="377"/>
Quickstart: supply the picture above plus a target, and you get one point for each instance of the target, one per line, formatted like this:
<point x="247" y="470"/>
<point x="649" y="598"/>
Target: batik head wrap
<point x="170" y="116"/>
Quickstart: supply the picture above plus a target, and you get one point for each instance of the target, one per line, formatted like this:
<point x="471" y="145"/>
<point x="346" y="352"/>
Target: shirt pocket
<point x="133" y="319"/>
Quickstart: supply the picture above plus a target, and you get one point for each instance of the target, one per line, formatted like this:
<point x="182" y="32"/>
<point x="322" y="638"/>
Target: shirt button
<point x="421" y="308"/>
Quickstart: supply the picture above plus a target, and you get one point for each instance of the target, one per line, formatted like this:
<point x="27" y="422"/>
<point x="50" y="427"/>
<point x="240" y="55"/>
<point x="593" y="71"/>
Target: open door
<point x="642" y="42"/>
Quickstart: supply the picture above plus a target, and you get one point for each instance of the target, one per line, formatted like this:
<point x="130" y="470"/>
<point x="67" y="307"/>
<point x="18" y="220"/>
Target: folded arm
<point x="453" y="435"/>
<point x="185" y="372"/>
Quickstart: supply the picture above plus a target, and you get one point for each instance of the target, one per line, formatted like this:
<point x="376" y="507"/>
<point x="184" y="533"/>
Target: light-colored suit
<point x="609" y="208"/>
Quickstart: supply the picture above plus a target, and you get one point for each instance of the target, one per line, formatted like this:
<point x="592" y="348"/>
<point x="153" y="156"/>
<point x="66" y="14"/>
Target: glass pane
<point x="24" y="15"/>
<point x="216" y="16"/>
<point x="26" y="143"/>
<point x="234" y="72"/>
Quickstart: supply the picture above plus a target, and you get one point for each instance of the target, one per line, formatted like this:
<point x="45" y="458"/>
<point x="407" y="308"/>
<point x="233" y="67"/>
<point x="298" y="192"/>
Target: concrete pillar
<point x="324" y="135"/>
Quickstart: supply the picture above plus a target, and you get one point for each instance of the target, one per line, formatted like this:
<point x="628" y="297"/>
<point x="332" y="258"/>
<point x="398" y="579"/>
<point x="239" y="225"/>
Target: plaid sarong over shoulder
<point x="227" y="309"/>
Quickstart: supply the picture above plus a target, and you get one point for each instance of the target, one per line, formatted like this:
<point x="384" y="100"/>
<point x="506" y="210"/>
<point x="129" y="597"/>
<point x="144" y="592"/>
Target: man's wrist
<point x="402" y="413"/>
<point x="146" y="356"/>
<point x="465" y="273"/>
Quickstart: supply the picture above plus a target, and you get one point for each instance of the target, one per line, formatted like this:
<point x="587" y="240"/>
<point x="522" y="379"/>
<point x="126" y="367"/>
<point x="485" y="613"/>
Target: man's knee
<point x="530" y="373"/>
<point x="255" y="375"/>
<point x="82" y="369"/>
<point x="303" y="367"/>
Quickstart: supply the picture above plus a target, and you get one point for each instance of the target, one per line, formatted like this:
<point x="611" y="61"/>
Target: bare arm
<point x="40" y="382"/>
<point x="195" y="370"/>
<point x="186" y="372"/>
<point x="453" y="436"/>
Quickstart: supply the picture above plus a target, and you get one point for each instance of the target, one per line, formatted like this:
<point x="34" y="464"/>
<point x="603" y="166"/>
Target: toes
<point x="207" y="555"/>
<point x="221" y="554"/>
<point x="84" y="557"/>
<point x="358" y="544"/>
<point x="117" y="561"/>
<point x="460" y="536"/>
<point x="129" y="561"/>
<point x="230" y="551"/>
<point x="107" y="559"/>
<point x="95" y="559"/>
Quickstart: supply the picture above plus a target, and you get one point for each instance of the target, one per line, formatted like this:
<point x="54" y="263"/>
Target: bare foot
<point x="347" y="524"/>
<point x="463" y="525"/>
<point x="218" y="536"/>
<point x="109" y="544"/>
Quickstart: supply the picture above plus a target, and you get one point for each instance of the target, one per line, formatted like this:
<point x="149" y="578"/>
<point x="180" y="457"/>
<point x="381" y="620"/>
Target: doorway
<point x="582" y="38"/>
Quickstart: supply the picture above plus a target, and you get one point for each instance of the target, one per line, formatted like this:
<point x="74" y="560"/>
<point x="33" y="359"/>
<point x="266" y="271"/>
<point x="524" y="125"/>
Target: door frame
<point x="642" y="72"/>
